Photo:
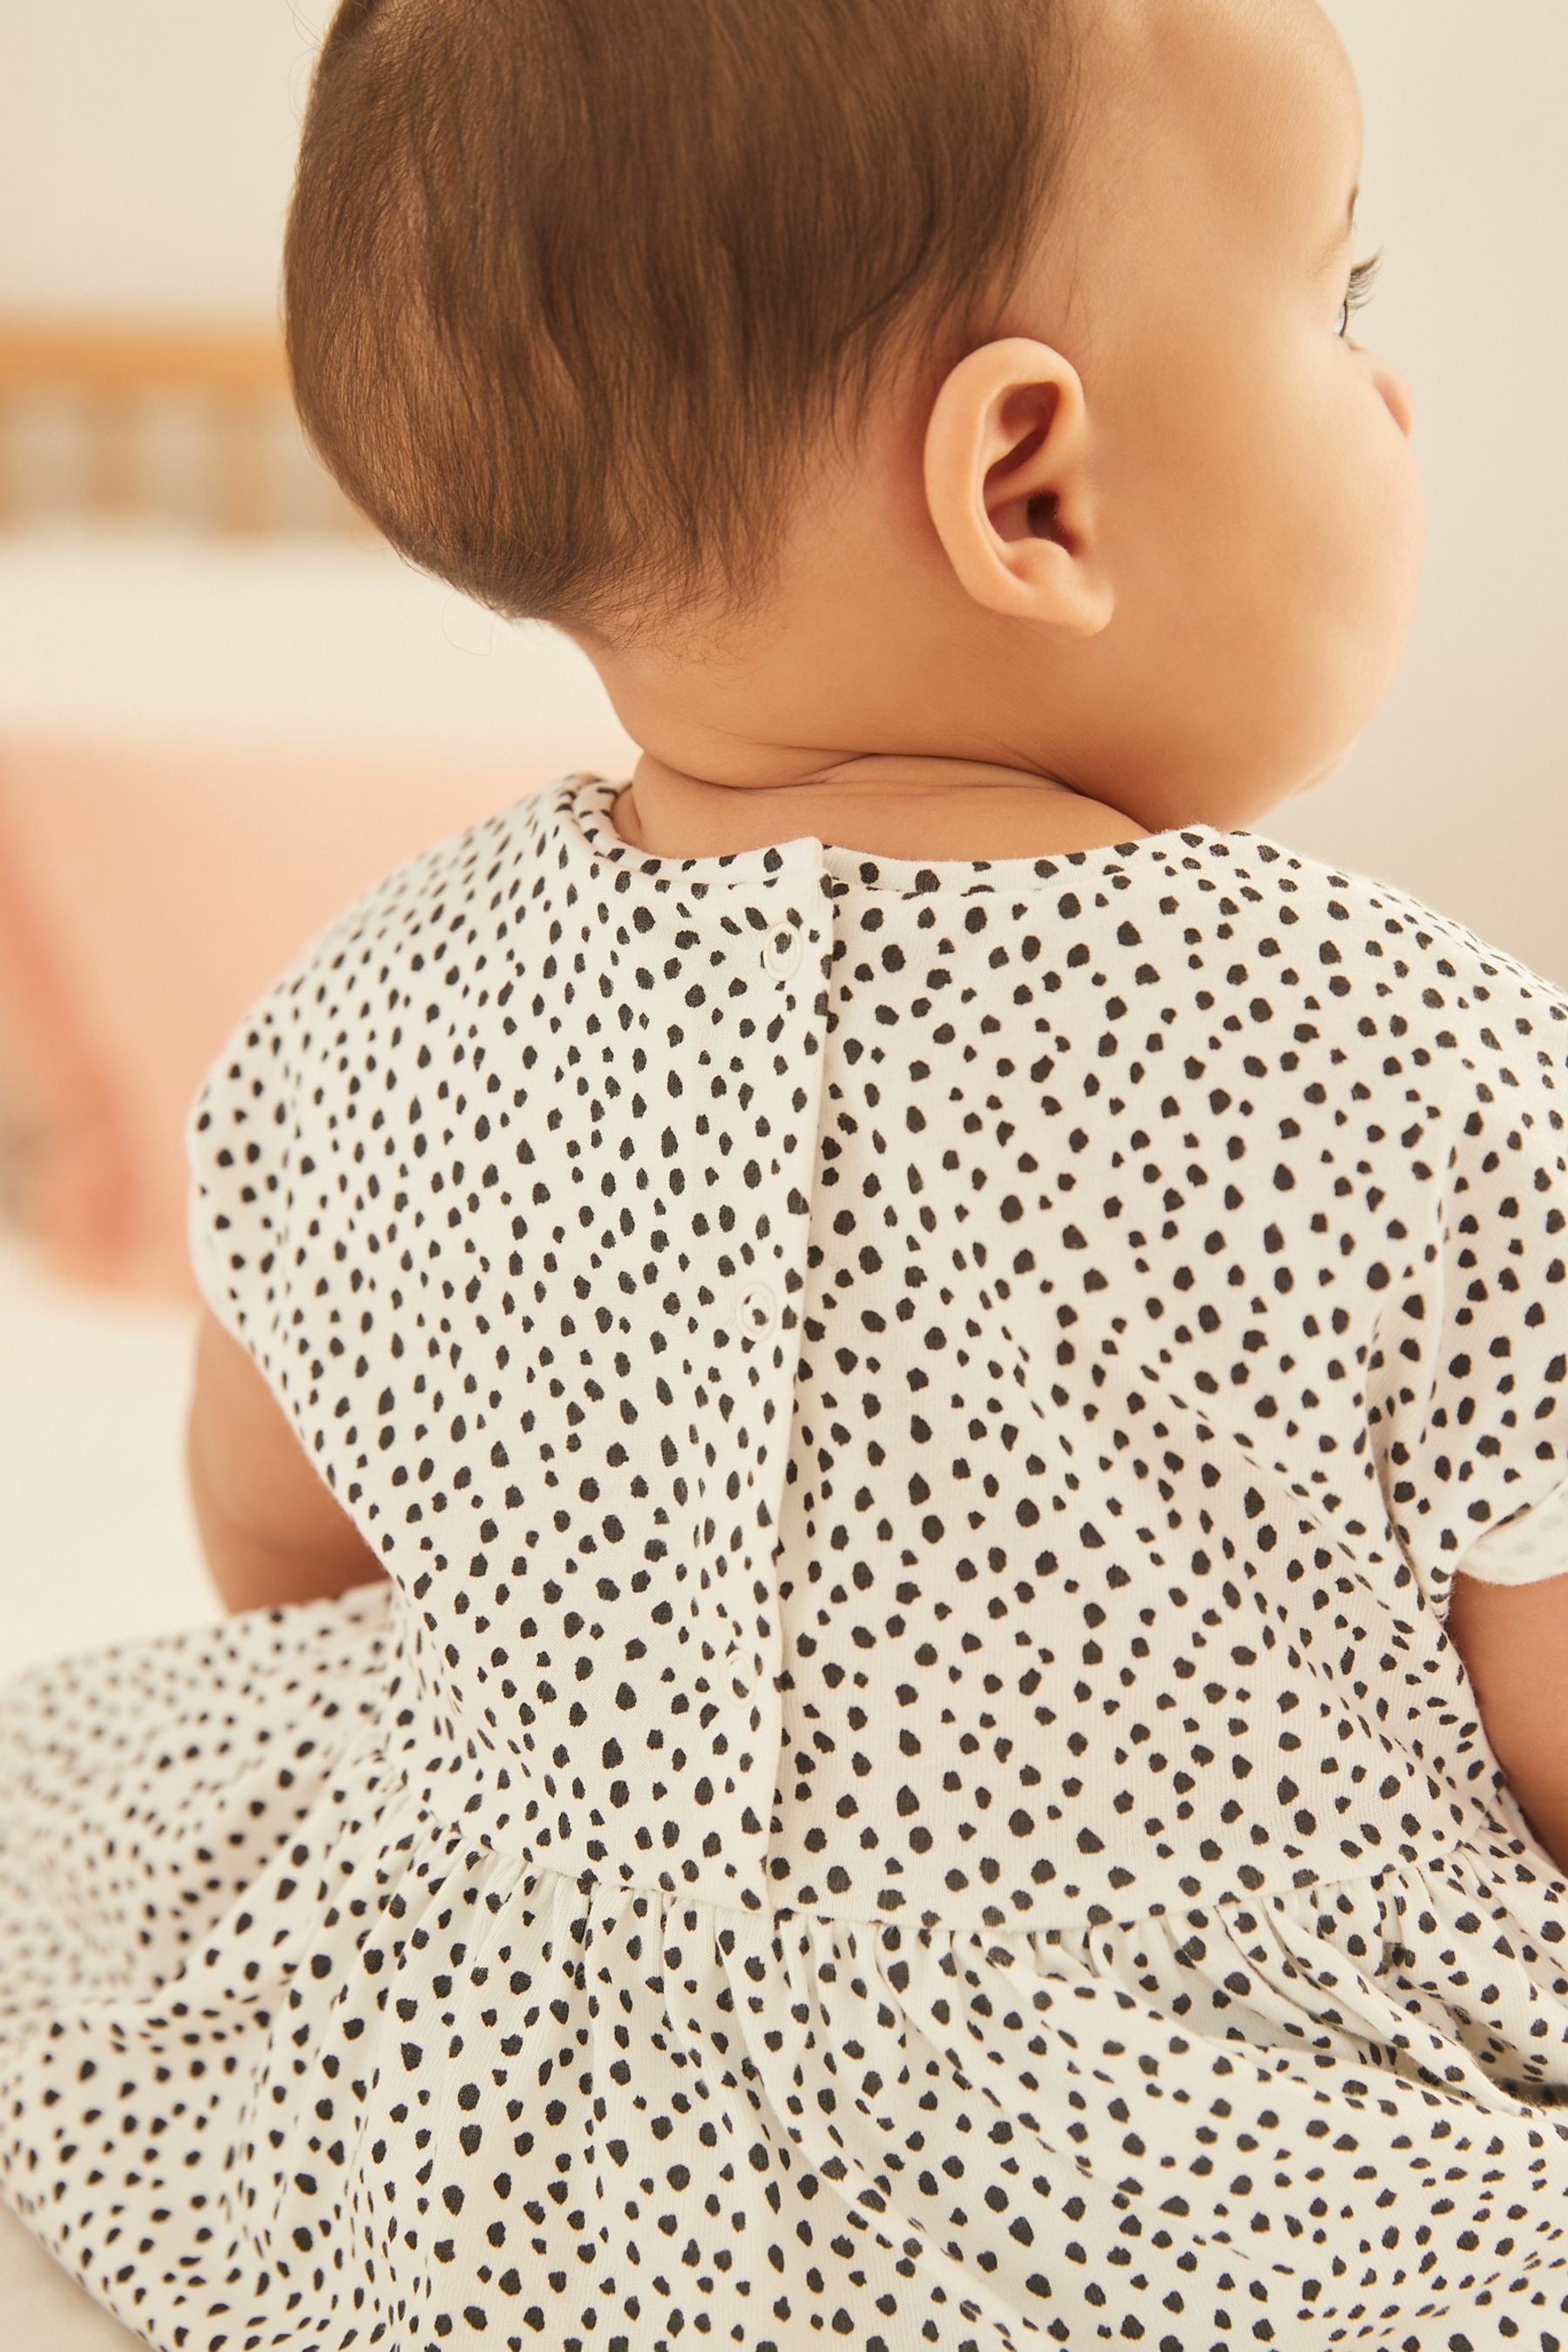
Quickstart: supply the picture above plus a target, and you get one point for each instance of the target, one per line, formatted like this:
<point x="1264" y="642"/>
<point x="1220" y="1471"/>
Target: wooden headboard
<point x="107" y="376"/>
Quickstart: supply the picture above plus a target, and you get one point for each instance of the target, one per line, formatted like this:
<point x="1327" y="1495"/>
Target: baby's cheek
<point x="1392" y="518"/>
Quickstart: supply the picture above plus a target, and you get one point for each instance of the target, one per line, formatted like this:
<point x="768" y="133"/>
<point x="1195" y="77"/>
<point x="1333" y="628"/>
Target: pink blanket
<point x="147" y="897"/>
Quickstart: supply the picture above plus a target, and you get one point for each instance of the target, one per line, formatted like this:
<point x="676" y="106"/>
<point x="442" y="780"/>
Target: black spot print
<point x="906" y="1782"/>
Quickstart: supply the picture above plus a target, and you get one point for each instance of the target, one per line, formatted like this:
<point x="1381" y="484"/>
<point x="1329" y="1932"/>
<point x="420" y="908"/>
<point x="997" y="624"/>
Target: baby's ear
<point x="1008" y="485"/>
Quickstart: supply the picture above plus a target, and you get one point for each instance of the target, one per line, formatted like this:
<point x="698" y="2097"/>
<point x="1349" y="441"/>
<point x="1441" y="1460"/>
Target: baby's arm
<point x="1513" y="1639"/>
<point x="272" y="1531"/>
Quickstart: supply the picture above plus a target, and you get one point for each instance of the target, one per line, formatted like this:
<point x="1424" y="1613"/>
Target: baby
<point x="879" y="1409"/>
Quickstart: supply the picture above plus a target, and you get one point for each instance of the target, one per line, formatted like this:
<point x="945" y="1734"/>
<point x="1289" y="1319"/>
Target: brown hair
<point x="574" y="289"/>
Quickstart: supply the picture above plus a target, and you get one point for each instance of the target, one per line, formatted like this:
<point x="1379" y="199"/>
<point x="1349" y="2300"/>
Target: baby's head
<point x="860" y="382"/>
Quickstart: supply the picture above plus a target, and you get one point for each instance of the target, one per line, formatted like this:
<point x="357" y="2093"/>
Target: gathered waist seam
<point x="596" y="1885"/>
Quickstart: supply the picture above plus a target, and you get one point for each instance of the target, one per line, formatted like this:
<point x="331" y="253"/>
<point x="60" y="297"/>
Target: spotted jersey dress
<point x="905" y="1783"/>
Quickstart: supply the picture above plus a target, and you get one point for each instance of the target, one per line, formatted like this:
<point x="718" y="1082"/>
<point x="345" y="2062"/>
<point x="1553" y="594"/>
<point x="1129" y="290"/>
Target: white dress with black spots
<point x="906" y="1784"/>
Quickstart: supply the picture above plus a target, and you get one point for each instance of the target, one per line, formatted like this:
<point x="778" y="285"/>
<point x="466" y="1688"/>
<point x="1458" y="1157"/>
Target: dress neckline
<point x="585" y="802"/>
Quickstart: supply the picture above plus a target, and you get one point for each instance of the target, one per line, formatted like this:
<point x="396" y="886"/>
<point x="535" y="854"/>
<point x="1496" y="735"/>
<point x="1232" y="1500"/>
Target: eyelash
<point x="1362" y="278"/>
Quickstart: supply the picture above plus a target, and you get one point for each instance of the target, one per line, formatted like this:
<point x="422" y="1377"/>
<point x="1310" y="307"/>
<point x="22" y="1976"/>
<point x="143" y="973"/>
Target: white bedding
<point x="153" y="631"/>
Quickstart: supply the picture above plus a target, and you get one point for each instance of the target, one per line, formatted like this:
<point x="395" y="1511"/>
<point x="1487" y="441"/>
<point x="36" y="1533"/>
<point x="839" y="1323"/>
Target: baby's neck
<point x="888" y="807"/>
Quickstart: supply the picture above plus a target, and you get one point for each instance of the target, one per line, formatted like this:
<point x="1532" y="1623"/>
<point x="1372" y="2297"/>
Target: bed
<point x="225" y="708"/>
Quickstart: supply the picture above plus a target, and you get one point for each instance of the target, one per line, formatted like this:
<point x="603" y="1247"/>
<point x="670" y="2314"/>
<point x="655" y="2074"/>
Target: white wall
<point x="1458" y="790"/>
<point x="145" y="159"/>
<point x="146" y="151"/>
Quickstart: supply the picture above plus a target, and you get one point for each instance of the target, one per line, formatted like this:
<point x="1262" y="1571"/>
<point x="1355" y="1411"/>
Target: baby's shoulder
<point x="461" y="879"/>
<point x="398" y="957"/>
<point x="1354" y="1004"/>
<point x="1361" y="937"/>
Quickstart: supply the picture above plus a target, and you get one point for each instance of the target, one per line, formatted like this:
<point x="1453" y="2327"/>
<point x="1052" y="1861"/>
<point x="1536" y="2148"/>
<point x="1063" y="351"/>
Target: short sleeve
<point x="237" y="1156"/>
<point x="259" y="1137"/>
<point x="1466" y="1393"/>
<point x="279" y="1124"/>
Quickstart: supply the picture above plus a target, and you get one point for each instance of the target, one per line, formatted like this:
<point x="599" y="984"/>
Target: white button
<point x="758" y="1308"/>
<point x="782" y="952"/>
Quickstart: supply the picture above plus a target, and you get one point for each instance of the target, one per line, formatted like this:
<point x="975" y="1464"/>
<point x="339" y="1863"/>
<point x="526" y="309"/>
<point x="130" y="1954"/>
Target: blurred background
<point x="227" y="709"/>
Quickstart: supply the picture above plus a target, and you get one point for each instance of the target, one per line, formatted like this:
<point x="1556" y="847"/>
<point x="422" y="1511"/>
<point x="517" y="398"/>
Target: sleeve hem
<point x="209" y="1263"/>
<point x="1525" y="1549"/>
